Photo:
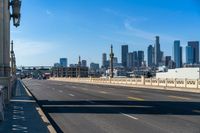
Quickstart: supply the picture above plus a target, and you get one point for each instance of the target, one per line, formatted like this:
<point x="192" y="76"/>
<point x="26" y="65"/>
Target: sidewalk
<point x="22" y="114"/>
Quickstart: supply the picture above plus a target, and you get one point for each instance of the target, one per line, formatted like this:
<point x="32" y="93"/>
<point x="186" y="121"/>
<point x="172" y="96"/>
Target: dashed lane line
<point x="132" y="117"/>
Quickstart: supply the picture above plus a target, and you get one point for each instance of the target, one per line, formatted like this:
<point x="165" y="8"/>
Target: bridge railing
<point x="154" y="82"/>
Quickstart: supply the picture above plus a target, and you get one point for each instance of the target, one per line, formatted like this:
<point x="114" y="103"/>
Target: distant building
<point x="135" y="59"/>
<point x="171" y="64"/>
<point x="104" y="60"/>
<point x="84" y="63"/>
<point x="150" y="53"/>
<point x="195" y="46"/>
<point x="177" y="53"/>
<point x="94" y="66"/>
<point x="157" y="51"/>
<point x="94" y="70"/>
<point x="167" y="60"/>
<point x="56" y="65"/>
<point x="130" y="60"/>
<point x="124" y="55"/>
<point x="63" y="62"/>
<point x="140" y="58"/>
<point x="77" y="71"/>
<point x="189" y="55"/>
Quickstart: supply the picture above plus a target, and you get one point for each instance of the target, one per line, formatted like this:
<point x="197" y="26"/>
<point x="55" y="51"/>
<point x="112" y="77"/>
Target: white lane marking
<point x="71" y="95"/>
<point x="60" y="91"/>
<point x="132" y="117"/>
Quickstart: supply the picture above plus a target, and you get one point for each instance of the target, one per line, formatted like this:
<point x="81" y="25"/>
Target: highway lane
<point x="85" y="108"/>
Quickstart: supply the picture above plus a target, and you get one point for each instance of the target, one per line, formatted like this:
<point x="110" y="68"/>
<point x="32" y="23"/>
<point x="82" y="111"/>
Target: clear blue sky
<point x="51" y="29"/>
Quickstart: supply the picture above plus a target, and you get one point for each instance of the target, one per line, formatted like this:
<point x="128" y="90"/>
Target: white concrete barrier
<point x="170" y="83"/>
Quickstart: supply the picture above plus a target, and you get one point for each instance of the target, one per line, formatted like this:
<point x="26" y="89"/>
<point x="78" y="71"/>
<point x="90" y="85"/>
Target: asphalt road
<point x="86" y="108"/>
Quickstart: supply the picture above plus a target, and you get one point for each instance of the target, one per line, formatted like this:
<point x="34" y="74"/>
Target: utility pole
<point x="111" y="62"/>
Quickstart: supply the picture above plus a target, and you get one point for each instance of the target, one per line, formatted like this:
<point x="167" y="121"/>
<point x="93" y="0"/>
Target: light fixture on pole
<point x="16" y="15"/>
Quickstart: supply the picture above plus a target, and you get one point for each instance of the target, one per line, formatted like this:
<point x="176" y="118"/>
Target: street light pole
<point x="111" y="62"/>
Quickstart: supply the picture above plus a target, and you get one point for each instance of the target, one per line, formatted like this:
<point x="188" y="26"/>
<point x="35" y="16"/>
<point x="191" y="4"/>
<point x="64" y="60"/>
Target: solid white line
<point x="132" y="117"/>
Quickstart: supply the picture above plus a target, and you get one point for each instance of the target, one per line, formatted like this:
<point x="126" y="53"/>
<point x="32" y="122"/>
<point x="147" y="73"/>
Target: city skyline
<point x="72" y="28"/>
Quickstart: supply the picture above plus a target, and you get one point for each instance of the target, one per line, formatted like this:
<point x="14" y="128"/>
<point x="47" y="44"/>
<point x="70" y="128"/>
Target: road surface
<point x="86" y="108"/>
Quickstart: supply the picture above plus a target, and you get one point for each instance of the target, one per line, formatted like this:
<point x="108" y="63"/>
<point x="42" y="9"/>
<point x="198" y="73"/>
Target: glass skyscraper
<point x="130" y="60"/>
<point x="177" y="53"/>
<point x="189" y="55"/>
<point x="140" y="58"/>
<point x="150" y="53"/>
<point x="195" y="46"/>
<point x="63" y="62"/>
<point x="124" y="55"/>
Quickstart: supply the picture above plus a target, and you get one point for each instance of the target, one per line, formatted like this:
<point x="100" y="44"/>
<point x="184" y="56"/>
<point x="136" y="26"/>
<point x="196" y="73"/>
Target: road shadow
<point x="118" y="106"/>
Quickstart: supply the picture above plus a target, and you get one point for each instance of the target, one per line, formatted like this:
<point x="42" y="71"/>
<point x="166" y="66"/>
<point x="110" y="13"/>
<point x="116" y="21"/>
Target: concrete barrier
<point x="180" y="84"/>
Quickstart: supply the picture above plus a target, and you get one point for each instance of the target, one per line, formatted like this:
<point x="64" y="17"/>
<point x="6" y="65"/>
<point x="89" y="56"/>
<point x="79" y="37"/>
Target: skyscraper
<point x="195" y="46"/>
<point x="189" y="55"/>
<point x="157" y="51"/>
<point x="124" y="55"/>
<point x="140" y="58"/>
<point x="150" y="53"/>
<point x="63" y="62"/>
<point x="104" y="60"/>
<point x="177" y="53"/>
<point x="130" y="60"/>
<point x="135" y="59"/>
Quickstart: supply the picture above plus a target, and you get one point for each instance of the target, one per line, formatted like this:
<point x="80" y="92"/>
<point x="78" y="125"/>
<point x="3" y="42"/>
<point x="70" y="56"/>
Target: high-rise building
<point x="150" y="53"/>
<point x="124" y="55"/>
<point x="140" y="58"/>
<point x="84" y="63"/>
<point x="177" y="53"/>
<point x="135" y="59"/>
<point x="195" y="46"/>
<point x="104" y="60"/>
<point x="130" y="60"/>
<point x="167" y="60"/>
<point x="63" y="62"/>
<point x="157" y="51"/>
<point x="189" y="55"/>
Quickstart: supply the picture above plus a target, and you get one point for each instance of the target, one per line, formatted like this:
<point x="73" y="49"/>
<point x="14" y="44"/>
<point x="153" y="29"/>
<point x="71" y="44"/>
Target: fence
<point x="161" y="82"/>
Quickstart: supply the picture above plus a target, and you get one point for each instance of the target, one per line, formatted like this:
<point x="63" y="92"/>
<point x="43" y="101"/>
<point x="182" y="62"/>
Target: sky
<point x="51" y="29"/>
